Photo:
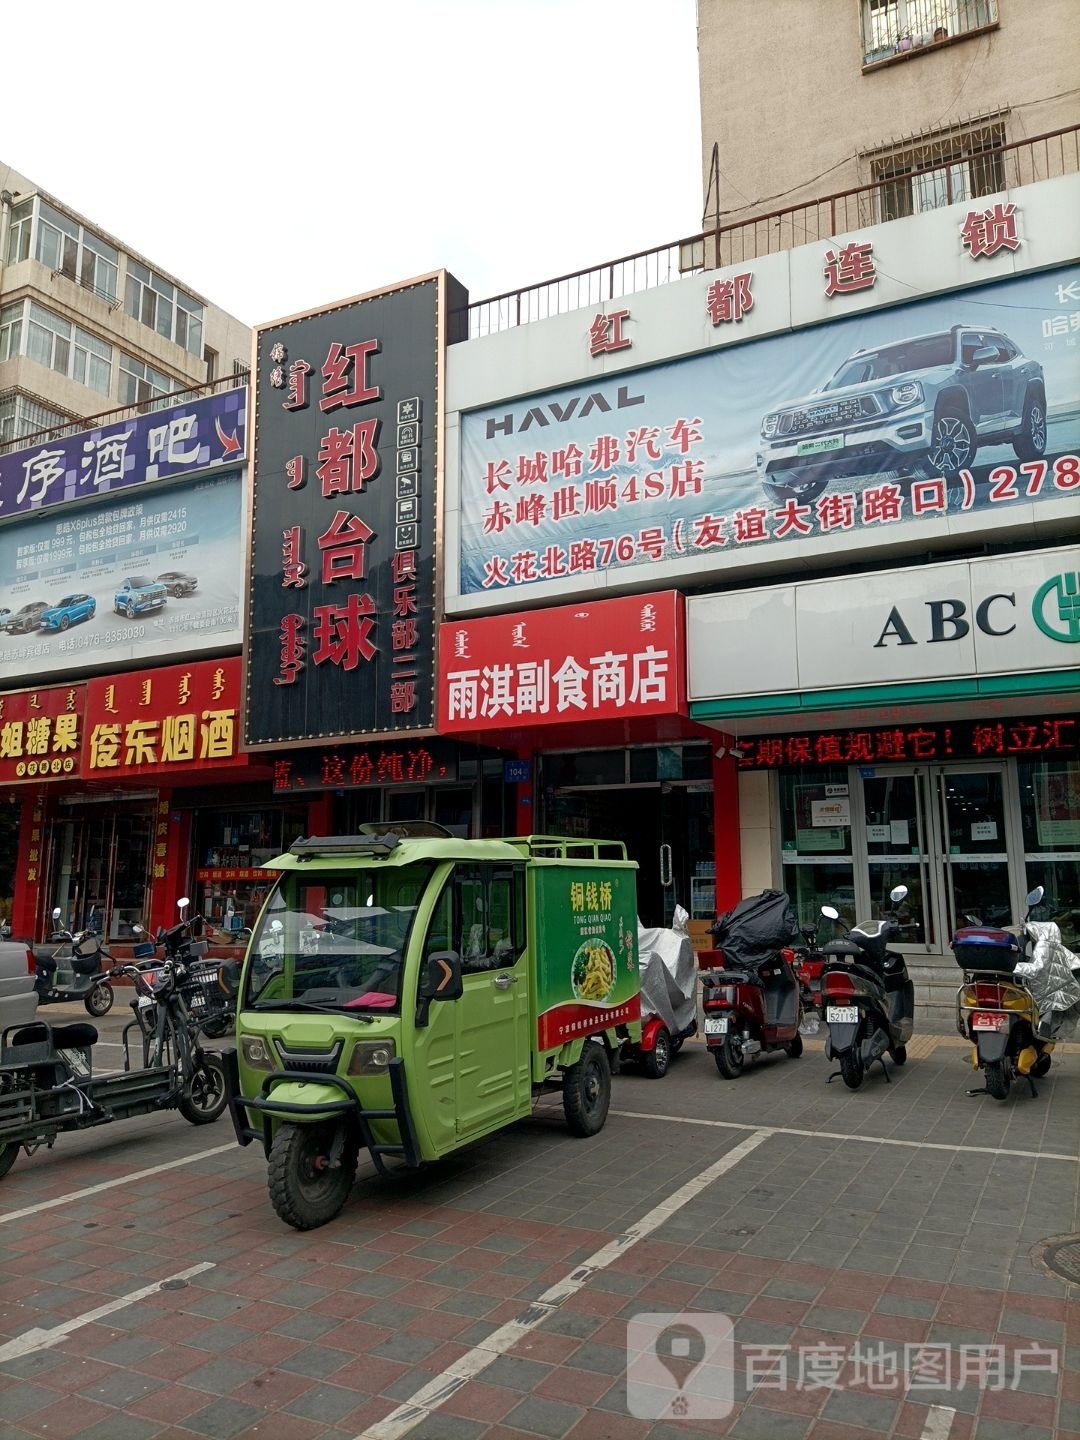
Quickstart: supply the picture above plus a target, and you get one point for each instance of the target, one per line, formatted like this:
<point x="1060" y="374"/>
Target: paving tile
<point x="221" y="1420"/>
<point x="323" y="1402"/>
<point x="539" y="1416"/>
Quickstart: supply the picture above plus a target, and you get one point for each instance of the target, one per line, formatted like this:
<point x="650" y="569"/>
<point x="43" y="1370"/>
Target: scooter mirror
<point x="1034" y="896"/>
<point x="898" y="894"/>
<point x="182" y="905"/>
<point x="56" y="912"/>
<point x="830" y="912"/>
<point x="276" y="925"/>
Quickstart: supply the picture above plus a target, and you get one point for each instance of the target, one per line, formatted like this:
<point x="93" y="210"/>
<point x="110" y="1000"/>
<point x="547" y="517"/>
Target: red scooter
<point x="753" y="1003"/>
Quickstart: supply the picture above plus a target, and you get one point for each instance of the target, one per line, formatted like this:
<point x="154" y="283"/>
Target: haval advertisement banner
<point x="886" y="421"/>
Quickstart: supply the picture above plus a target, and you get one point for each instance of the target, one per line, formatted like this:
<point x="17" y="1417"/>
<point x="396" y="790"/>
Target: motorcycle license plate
<point x="716" y="1024"/>
<point x="145" y="1001"/>
<point x="197" y="1000"/>
<point x="842" y="1014"/>
<point x="989" y="1022"/>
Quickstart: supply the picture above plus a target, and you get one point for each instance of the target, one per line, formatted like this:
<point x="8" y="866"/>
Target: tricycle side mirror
<point x="1035" y="896"/>
<point x="440" y="980"/>
<point x="898" y="894"/>
<point x="830" y="912"/>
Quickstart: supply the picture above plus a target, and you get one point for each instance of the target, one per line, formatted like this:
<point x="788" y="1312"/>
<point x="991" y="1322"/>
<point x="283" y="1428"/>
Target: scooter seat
<point x="79" y="1036"/>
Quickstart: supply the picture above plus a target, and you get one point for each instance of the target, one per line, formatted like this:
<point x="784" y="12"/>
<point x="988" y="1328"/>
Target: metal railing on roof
<point x="123" y="412"/>
<point x="1001" y="167"/>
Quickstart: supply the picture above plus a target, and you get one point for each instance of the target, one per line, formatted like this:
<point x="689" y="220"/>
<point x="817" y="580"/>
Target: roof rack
<point x="565" y="847"/>
<point x="307" y="847"/>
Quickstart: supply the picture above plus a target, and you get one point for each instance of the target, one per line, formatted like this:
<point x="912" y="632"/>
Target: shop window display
<point x="230" y="848"/>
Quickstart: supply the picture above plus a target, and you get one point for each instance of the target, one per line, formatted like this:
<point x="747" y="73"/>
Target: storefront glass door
<point x="944" y="832"/>
<point x="975" y="848"/>
<point x="98" y="872"/>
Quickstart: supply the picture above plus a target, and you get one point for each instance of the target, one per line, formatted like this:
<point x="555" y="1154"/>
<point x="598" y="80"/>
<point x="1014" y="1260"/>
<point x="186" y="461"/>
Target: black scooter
<point x="76" y="975"/>
<point x="867" y="996"/>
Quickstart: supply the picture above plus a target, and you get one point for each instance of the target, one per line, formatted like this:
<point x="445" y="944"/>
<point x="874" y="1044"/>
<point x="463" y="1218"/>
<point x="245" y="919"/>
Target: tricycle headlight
<point x="256" y="1052"/>
<point x="910" y="393"/>
<point x="371" y="1057"/>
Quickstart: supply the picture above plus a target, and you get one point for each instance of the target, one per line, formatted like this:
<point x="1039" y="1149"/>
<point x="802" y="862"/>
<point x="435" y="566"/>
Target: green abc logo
<point x="1064" y="623"/>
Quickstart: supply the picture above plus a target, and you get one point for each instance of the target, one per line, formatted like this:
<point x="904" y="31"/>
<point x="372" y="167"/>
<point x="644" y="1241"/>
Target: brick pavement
<point x="810" y="1240"/>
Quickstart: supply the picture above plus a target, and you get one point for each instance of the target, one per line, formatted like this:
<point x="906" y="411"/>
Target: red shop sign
<point x="596" y="660"/>
<point x="177" y="717"/>
<point x="41" y="733"/>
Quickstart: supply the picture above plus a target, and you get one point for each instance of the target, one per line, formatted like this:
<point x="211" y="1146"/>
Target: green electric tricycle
<point x="408" y="994"/>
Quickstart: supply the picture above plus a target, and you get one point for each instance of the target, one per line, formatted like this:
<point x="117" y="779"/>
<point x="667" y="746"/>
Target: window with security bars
<point x="900" y="27"/>
<point x="19" y="416"/>
<point x="940" y="170"/>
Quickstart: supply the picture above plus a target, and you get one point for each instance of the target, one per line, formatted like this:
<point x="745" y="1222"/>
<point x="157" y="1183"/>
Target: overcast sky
<point x="331" y="147"/>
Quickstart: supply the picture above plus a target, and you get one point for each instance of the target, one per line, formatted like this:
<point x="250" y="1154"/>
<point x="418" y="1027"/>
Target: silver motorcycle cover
<point x="668" y="970"/>
<point x="1052" y="975"/>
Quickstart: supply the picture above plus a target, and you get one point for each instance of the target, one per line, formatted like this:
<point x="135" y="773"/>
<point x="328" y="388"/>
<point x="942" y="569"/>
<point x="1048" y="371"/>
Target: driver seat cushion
<point x="78" y="1036"/>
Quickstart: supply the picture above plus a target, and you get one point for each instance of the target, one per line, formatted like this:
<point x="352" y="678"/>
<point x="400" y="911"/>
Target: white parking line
<point x="938" y="1423"/>
<point x="428" y="1399"/>
<point x="112" y="1184"/>
<point x="847" y="1135"/>
<point x="44" y="1339"/>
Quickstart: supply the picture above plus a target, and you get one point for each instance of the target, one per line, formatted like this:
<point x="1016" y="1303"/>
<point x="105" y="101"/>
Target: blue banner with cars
<point x="162" y="445"/>
<point x="129" y="580"/>
<point x="968" y="401"/>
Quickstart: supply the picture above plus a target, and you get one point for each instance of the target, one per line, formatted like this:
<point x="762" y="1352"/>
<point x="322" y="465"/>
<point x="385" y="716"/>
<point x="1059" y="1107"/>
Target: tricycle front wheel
<point x="587" y="1091"/>
<point x="312" y="1169"/>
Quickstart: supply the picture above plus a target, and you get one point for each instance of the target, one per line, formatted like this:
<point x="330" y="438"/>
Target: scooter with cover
<point x="752" y="1003"/>
<point x="1013" y="1007"/>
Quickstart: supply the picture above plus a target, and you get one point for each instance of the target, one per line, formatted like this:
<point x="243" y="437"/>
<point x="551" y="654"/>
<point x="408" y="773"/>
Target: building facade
<point x="856" y="463"/>
<point x="886" y="107"/>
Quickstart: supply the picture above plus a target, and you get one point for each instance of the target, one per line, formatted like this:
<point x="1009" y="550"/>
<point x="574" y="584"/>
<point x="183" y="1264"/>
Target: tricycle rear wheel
<point x="8" y="1155"/>
<point x="312" y="1169"/>
<point x="729" y="1059"/>
<point x="655" y="1062"/>
<point x="587" y="1091"/>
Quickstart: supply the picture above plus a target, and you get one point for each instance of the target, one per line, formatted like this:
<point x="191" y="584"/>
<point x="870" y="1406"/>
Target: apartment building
<point x="88" y="325"/>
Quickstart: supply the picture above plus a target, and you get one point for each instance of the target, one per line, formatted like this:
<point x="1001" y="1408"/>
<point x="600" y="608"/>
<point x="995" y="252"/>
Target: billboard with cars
<point x="148" y="574"/>
<point x="883" y="421"/>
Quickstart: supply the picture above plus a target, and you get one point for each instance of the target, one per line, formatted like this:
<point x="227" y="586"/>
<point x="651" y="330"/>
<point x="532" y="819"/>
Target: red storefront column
<point x="320" y="813"/>
<point x="172" y="880"/>
<point x="726" y="833"/>
<point x="30" y="868"/>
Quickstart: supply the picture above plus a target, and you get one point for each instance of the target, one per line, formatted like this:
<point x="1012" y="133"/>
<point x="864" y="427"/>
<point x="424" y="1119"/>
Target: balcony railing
<point x="123" y="412"/>
<point x="913" y="26"/>
<point x="1042" y="157"/>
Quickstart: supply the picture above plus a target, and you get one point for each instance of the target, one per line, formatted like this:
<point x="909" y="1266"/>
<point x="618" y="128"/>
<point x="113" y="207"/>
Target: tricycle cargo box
<point x="990" y="951"/>
<point x="583" y="916"/>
